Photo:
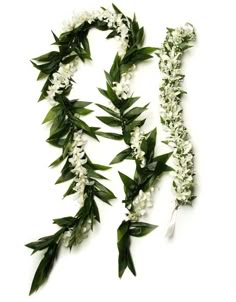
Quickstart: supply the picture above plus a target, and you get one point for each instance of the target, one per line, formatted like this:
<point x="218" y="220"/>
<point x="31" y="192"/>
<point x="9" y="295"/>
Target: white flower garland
<point x="172" y="116"/>
<point x="140" y="204"/>
<point x="61" y="79"/>
<point x="110" y="17"/>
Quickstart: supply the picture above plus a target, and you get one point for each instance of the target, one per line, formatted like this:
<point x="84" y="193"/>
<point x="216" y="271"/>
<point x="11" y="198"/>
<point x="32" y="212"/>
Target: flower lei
<point x="177" y="41"/>
<point x="67" y="127"/>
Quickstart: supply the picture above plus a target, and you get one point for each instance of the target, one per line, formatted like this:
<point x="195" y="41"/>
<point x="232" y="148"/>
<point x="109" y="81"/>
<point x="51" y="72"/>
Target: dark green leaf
<point x="108" y="110"/>
<point x="128" y="103"/>
<point x="122" y="230"/>
<point x="102" y="188"/>
<point x="110" y="121"/>
<point x="64" y="222"/>
<point x="94" y="174"/>
<point x="70" y="190"/>
<point x="151" y="143"/>
<point x="57" y="161"/>
<point x="115" y="69"/>
<point x="121" y="156"/>
<point x="130" y="186"/>
<point x="48" y="56"/>
<point x="133" y="113"/>
<point x="139" y="229"/>
<point x="110" y="135"/>
<point x="96" y="211"/>
<point x="44" y="269"/>
<point x="79" y="104"/>
<point x="163" y="158"/>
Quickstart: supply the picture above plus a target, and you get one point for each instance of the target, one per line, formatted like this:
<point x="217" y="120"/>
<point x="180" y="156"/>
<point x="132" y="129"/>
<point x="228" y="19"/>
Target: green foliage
<point x="125" y="259"/>
<point x="44" y="268"/>
<point x="140" y="229"/>
<point x="121" y="156"/>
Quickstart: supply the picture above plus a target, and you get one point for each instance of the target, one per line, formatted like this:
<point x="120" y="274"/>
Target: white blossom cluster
<point x="140" y="204"/>
<point x="171" y="111"/>
<point x="112" y="19"/>
<point x="136" y="139"/>
<point x="61" y="78"/>
<point x="77" y="160"/>
<point x="80" y="235"/>
<point x="122" y="89"/>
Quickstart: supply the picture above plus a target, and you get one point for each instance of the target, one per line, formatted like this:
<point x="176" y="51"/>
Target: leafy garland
<point x="141" y="146"/>
<point x="177" y="41"/>
<point x="67" y="126"/>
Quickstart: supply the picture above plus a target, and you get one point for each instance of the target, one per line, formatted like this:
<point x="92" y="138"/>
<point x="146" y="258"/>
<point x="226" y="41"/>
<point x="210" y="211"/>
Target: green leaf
<point x="128" y="103"/>
<point x="65" y="221"/>
<point x="102" y="196"/>
<point x="79" y="104"/>
<point x="140" y="229"/>
<point x="41" y="244"/>
<point x="115" y="69"/>
<point x="94" y="174"/>
<point x="47" y="56"/>
<point x="123" y="244"/>
<point x="85" y="43"/>
<point x="66" y="174"/>
<point x="130" y="186"/>
<point x="116" y="9"/>
<point x="110" y="121"/>
<point x="112" y="34"/>
<point x="82" y="125"/>
<point x="41" y="76"/>
<point x="56" y="142"/>
<point x="57" y="161"/>
<point x="69" y="59"/>
<point x="123" y="230"/>
<point x="70" y="190"/>
<point x="133" y="113"/>
<point x="108" y="110"/>
<point x="163" y="158"/>
<point x="110" y="135"/>
<point x="82" y="111"/>
<point x="100" y="187"/>
<point x="95" y="211"/>
<point x="45" y="267"/>
<point x="151" y="143"/>
<point x="121" y="156"/>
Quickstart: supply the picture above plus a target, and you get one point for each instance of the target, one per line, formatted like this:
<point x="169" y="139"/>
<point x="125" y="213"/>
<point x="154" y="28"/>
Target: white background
<point x="199" y="263"/>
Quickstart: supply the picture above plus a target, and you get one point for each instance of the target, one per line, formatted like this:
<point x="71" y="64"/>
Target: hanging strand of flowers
<point x="140" y="146"/>
<point x="177" y="41"/>
<point x="68" y="129"/>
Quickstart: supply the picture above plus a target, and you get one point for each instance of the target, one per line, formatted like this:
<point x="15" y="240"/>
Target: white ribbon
<point x="171" y="227"/>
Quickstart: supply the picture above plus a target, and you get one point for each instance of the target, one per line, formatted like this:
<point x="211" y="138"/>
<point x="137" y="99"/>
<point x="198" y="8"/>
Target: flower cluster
<point x="113" y="20"/>
<point x="171" y="111"/>
<point x="80" y="235"/>
<point x="122" y="89"/>
<point x="137" y="137"/>
<point x="77" y="160"/>
<point x="140" y="204"/>
<point x="61" y="78"/>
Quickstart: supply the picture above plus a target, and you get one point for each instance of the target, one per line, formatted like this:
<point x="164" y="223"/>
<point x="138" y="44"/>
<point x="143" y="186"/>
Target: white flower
<point x="136" y="139"/>
<point x="77" y="160"/>
<point x="140" y="205"/>
<point x="122" y="89"/>
<point x="61" y="78"/>
<point x="81" y="234"/>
